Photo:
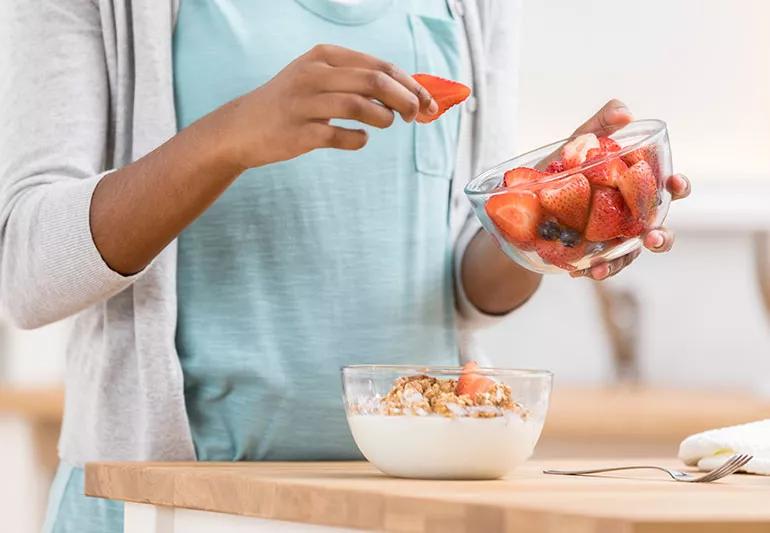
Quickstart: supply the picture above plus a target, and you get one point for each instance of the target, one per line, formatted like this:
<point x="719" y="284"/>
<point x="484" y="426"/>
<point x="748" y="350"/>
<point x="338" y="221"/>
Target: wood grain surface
<point x="355" y="495"/>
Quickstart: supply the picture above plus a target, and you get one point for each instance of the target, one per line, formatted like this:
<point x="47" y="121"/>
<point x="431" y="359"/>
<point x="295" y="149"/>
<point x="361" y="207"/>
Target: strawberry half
<point x="556" y="254"/>
<point x="608" y="216"/>
<point x="645" y="153"/>
<point x="640" y="191"/>
<point x="568" y="200"/>
<point x="517" y="215"/>
<point x="605" y="174"/>
<point x="574" y="152"/>
<point x="633" y="227"/>
<point x="446" y="93"/>
<point x="471" y="383"/>
<point x="555" y="166"/>
<point x="522" y="175"/>
<point x="608" y="145"/>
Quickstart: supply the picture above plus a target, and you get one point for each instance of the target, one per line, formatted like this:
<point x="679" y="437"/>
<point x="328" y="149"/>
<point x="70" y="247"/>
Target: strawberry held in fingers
<point x="640" y="191"/>
<point x="446" y="93"/>
<point x="517" y="215"/>
<point x="568" y="200"/>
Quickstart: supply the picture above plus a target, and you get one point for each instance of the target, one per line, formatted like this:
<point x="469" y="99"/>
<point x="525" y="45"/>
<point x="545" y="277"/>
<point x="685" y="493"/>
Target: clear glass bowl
<point x="473" y="442"/>
<point x="643" y="139"/>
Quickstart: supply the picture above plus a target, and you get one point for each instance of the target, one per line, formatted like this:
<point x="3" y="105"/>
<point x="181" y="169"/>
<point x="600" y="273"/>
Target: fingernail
<point x="433" y="107"/>
<point x="657" y="240"/>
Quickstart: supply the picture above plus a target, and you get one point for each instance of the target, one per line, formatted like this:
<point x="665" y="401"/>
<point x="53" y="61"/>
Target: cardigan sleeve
<point x="495" y="52"/>
<point x="54" y="115"/>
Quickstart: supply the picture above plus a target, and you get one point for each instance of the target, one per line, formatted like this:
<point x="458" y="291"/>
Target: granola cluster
<point x="423" y="395"/>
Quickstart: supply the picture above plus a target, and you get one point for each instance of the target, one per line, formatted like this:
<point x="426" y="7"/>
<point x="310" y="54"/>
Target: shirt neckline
<point x="349" y="12"/>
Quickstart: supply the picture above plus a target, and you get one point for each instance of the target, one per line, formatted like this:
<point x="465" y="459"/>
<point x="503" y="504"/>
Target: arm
<point x="67" y="232"/>
<point x="138" y="210"/>
<point x="493" y="283"/>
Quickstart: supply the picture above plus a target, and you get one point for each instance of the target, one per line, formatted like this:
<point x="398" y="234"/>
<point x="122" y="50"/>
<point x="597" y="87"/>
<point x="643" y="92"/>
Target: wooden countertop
<point x="355" y="495"/>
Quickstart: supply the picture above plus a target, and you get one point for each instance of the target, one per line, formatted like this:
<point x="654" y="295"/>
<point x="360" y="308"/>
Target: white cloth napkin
<point x="708" y="450"/>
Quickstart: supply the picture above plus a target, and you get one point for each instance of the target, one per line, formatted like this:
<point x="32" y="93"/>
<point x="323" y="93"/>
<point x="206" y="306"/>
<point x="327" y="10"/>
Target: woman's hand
<point x="290" y="114"/>
<point x="613" y="116"/>
<point x="139" y="209"/>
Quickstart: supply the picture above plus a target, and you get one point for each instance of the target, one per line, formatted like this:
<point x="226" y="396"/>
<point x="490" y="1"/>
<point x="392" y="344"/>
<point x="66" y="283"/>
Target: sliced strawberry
<point x="522" y="175"/>
<point x="568" y="200"/>
<point x="645" y="153"/>
<point x="446" y="93"/>
<point x="555" y="166"/>
<point x="632" y="227"/>
<point x="640" y="191"/>
<point x="556" y="254"/>
<point x="574" y="152"/>
<point x="608" y="145"/>
<point x="471" y="383"/>
<point x="517" y="215"/>
<point x="608" y="215"/>
<point x="605" y="174"/>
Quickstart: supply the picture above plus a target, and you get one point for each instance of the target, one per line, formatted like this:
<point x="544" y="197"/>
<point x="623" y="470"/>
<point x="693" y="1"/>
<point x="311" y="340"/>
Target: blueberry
<point x="595" y="248"/>
<point x="569" y="237"/>
<point x="549" y="230"/>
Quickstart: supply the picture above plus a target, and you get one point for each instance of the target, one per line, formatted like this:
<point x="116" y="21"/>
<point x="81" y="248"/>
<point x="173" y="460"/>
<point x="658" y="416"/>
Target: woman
<point x="152" y="187"/>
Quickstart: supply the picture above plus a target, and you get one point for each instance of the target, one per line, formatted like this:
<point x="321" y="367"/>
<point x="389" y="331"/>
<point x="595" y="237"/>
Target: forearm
<point x="492" y="282"/>
<point x="139" y="209"/>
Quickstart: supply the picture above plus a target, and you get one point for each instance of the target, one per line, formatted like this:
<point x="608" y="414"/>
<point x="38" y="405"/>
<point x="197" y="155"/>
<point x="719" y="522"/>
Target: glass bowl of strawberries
<point x="576" y="202"/>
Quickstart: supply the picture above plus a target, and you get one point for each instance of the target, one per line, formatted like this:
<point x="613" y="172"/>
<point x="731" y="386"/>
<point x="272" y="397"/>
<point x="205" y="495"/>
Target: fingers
<point x="338" y="56"/>
<point x="349" y="106"/>
<point x="605" y="270"/>
<point x="659" y="240"/>
<point x="679" y="186"/>
<point x="373" y="84"/>
<point x="610" y="118"/>
<point x="327" y="136"/>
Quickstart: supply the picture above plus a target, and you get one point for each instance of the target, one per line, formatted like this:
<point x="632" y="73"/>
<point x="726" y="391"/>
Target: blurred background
<point x="678" y="343"/>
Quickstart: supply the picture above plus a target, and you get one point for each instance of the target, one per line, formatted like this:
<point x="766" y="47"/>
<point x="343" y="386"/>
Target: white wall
<point x="701" y="65"/>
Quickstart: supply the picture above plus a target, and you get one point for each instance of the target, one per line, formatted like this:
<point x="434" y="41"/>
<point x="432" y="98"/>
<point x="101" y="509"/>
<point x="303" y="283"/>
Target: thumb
<point x="610" y="118"/>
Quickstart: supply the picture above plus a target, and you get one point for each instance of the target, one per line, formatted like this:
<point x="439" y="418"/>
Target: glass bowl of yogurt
<point x="445" y="422"/>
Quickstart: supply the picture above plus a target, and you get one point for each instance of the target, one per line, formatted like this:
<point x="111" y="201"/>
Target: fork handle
<point x="600" y="470"/>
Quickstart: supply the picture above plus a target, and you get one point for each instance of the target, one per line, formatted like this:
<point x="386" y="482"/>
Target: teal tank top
<point x="330" y="259"/>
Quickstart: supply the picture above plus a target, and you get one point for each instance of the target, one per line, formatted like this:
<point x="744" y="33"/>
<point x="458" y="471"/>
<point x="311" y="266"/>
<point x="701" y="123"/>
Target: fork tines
<point x="735" y="463"/>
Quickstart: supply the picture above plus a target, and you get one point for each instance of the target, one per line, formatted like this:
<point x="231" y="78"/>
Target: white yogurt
<point x="438" y="447"/>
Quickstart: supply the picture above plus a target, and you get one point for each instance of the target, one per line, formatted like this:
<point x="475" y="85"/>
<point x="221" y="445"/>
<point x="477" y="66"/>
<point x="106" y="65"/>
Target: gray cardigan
<point x="86" y="86"/>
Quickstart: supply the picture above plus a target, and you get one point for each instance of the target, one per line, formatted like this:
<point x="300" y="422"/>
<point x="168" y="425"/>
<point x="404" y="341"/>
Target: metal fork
<point x="732" y="465"/>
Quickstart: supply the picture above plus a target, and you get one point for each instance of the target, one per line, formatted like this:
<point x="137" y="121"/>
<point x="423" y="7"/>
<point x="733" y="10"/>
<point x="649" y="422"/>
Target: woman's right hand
<point x="139" y="209"/>
<point x="290" y="114"/>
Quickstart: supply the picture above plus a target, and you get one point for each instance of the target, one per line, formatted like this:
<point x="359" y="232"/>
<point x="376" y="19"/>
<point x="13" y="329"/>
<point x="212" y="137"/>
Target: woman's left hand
<point x="613" y="116"/>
